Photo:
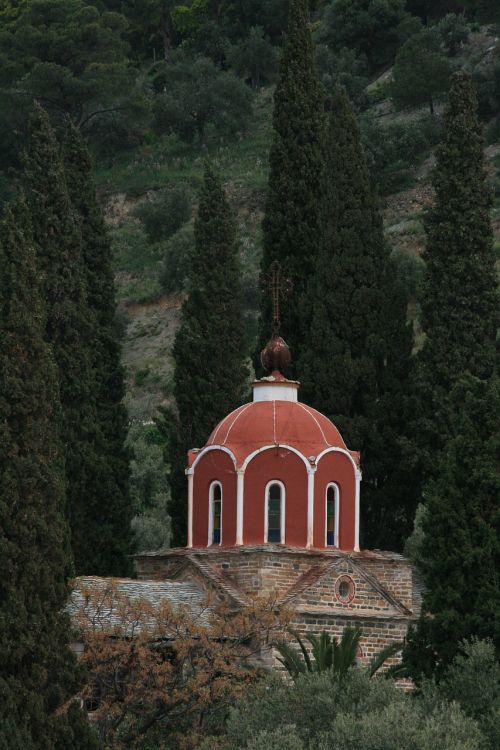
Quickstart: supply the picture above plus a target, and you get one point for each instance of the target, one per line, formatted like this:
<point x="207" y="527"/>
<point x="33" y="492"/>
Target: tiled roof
<point x="263" y="423"/>
<point x="280" y="548"/>
<point x="179" y="594"/>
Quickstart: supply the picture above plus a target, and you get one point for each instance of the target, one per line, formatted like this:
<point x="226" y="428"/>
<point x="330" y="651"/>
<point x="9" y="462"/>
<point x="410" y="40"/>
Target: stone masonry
<point x="324" y="590"/>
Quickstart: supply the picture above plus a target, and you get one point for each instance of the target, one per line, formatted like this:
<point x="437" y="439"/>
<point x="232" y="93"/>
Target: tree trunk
<point x="166" y="31"/>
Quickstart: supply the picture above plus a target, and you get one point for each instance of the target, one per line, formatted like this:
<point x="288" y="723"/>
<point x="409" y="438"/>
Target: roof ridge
<point x="314" y="573"/>
<point x="219" y="579"/>
<point x="380" y="588"/>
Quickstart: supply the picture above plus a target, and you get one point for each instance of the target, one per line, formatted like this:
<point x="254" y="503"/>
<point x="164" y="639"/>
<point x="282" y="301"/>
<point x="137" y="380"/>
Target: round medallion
<point x="345" y="589"/>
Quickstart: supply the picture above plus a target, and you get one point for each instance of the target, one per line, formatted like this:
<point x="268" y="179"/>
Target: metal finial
<point x="278" y="288"/>
<point x="276" y="354"/>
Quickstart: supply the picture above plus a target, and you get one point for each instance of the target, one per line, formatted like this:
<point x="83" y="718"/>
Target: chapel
<point x="274" y="509"/>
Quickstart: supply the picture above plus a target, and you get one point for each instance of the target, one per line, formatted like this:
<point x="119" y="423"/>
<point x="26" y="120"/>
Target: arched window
<point x="215" y="514"/>
<point x="275" y="512"/>
<point x="332" y="516"/>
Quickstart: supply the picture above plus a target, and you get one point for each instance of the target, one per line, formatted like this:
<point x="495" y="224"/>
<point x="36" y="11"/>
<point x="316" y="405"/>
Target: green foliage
<point x="38" y="672"/>
<point x="421" y="72"/>
<point x="487" y="84"/>
<point x="271" y="15"/>
<point x="69" y="321"/>
<point x="473" y="681"/>
<point x="454" y="32"/>
<point x="196" y="94"/>
<point x="177" y="259"/>
<point x="319" y="711"/>
<point x="284" y="738"/>
<point x="328" y="654"/>
<point x="457" y="435"/>
<point x="165" y="214"/>
<point x="460" y="311"/>
<point x="484" y="11"/>
<point x="139" y="261"/>
<point x="210" y="372"/>
<point x="342" y="67"/>
<point x="292" y="221"/>
<point x="369" y="27"/>
<point x="394" y="151"/>
<point x="149" y="488"/>
<point x="254" y="58"/>
<point x="409" y="271"/>
<point x="67" y="55"/>
<point x="406" y="727"/>
<point x="108" y="500"/>
<point x="460" y="528"/>
<point x="355" y="366"/>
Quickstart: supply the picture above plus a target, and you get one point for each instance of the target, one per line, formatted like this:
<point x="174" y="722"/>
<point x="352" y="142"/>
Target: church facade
<point x="274" y="509"/>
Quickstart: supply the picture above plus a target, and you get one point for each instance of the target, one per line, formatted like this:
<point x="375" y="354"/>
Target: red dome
<point x="262" y="423"/>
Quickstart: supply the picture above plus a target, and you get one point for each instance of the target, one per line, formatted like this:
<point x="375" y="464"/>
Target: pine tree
<point x="69" y="328"/>
<point x="291" y="226"/>
<point x="111" y="502"/>
<point x="460" y="310"/>
<point x="210" y="370"/>
<point x="38" y="675"/>
<point x="356" y="362"/>
<point x="460" y="557"/>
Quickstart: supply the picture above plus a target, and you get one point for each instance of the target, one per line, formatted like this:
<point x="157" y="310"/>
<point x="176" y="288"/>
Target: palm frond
<point x="381" y="657"/>
<point x="290" y="659"/>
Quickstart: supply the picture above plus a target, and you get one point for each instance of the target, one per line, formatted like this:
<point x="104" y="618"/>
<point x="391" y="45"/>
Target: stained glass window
<point x="330" y="517"/>
<point x="274" y="513"/>
<point x="216" y="514"/>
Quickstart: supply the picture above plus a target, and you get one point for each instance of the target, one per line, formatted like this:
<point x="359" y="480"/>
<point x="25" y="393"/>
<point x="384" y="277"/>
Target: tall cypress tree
<point x="291" y="225"/>
<point x="355" y="365"/>
<point x="210" y="370"/>
<point x="69" y="328"/>
<point x="38" y="675"/>
<point x="460" y="556"/>
<point x="111" y="504"/>
<point x="460" y="304"/>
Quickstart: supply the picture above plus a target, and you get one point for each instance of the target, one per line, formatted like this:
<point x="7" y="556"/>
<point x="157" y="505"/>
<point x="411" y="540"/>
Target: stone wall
<point x="377" y="593"/>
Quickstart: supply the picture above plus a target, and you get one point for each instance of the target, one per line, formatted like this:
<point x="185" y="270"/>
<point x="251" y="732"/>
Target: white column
<point x="356" y="512"/>
<point x="239" y="506"/>
<point x="190" y="477"/>
<point x="310" y="506"/>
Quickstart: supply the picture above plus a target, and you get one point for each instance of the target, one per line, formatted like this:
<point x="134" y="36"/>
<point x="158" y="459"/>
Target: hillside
<point x="150" y="315"/>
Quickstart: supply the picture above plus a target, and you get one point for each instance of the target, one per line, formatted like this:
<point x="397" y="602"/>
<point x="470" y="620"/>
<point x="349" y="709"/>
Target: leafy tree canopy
<point x="322" y="711"/>
<point x="421" y="72"/>
<point x="196" y="94"/>
<point x="69" y="56"/>
<point x="254" y="58"/>
<point x="370" y="27"/>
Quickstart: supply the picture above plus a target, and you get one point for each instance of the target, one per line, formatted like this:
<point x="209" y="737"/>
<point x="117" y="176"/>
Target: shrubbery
<point x="149" y="488"/>
<point x="165" y="214"/>
<point x="194" y="95"/>
<point x="320" y="712"/>
<point x="394" y="151"/>
<point x="421" y="72"/>
<point x="254" y="58"/>
<point x="176" y="260"/>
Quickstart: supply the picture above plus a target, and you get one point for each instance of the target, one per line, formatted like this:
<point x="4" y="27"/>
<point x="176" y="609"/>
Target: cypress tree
<point x="38" y="675"/>
<point x="460" y="555"/>
<point x="460" y="310"/>
<point x="210" y="370"/>
<point x="291" y="225"/>
<point x="355" y="366"/>
<point x="69" y="328"/>
<point x="111" y="504"/>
